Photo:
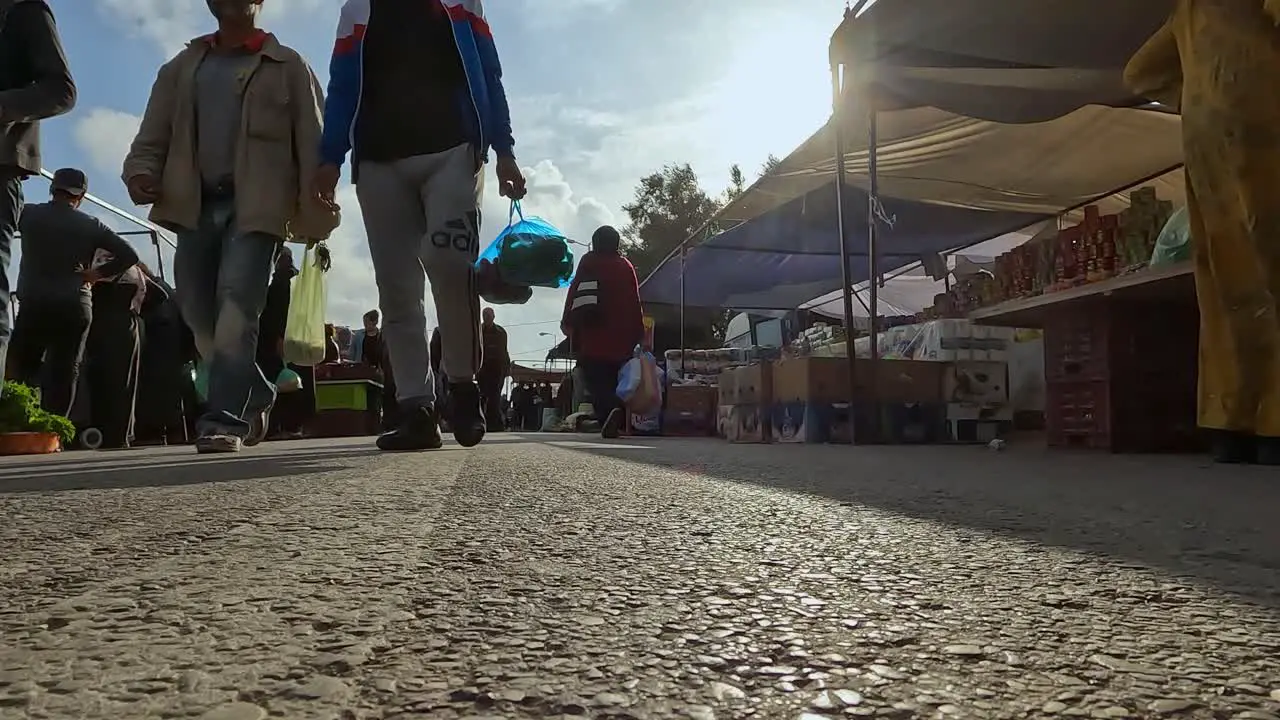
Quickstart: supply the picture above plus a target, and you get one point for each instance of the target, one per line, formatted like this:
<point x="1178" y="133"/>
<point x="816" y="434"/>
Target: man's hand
<point x="143" y="190"/>
<point x="325" y="185"/>
<point x="510" y="179"/>
<point x="90" y="276"/>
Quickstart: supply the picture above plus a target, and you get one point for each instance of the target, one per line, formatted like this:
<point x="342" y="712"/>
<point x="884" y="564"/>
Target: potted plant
<point x="27" y="429"/>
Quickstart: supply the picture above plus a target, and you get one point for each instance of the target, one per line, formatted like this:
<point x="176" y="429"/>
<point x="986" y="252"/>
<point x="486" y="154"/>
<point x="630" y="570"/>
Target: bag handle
<point x="513" y="212"/>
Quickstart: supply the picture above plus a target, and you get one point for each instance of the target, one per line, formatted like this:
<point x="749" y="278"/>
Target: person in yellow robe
<point x="1218" y="63"/>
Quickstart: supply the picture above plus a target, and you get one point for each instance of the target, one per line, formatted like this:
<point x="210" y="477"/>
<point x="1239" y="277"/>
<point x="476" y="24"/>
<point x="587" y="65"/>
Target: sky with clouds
<point x="602" y="93"/>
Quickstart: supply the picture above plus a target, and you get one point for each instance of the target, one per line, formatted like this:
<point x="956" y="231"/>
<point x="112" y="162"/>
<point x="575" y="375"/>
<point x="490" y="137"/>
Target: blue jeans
<point x="221" y="276"/>
<point x="10" y="209"/>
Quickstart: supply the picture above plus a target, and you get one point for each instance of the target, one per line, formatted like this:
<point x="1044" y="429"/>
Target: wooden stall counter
<point x="1169" y="282"/>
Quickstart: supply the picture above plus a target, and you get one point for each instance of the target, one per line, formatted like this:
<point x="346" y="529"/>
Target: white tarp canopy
<point x="932" y="156"/>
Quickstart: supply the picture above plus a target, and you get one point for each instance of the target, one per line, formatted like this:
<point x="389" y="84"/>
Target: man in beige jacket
<point x="225" y="156"/>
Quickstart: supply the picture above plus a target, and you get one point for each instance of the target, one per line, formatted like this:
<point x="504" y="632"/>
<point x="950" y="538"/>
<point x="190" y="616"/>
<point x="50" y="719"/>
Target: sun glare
<point x="777" y="90"/>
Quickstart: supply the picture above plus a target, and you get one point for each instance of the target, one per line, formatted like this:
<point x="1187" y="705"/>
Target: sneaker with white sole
<point x="211" y="444"/>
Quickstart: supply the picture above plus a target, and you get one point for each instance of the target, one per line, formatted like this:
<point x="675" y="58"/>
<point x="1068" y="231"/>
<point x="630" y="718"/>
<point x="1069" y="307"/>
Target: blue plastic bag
<point x="530" y="252"/>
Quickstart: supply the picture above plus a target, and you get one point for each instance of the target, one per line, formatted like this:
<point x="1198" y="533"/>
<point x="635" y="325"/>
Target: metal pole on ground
<point x="683" y="345"/>
<point x="846" y="282"/>
<point x="873" y="262"/>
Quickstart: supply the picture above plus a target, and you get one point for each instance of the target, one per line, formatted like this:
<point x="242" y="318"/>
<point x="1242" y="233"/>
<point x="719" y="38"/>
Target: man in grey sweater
<point x="55" y="285"/>
<point x="34" y="84"/>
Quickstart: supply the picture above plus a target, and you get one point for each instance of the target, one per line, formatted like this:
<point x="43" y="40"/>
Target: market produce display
<point x="1100" y="247"/>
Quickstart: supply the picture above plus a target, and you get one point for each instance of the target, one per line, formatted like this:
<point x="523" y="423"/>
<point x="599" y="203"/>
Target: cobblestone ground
<point x="660" y="579"/>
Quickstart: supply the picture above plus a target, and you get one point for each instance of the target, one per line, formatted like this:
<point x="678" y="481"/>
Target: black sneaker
<point x="466" y="413"/>
<point x="1268" y="451"/>
<point x="612" y="427"/>
<point x="1233" y="448"/>
<point x="418" y="430"/>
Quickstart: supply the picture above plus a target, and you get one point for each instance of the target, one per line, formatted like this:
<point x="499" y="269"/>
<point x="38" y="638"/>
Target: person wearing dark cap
<point x="604" y="322"/>
<point x="35" y="84"/>
<point x="55" y="283"/>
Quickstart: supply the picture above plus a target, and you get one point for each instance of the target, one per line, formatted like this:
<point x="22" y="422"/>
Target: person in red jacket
<point x="604" y="322"/>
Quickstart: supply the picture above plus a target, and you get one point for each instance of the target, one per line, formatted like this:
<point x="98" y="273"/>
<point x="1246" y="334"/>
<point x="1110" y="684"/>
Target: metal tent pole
<point x="873" y="260"/>
<point x="837" y="120"/>
<point x="683" y="345"/>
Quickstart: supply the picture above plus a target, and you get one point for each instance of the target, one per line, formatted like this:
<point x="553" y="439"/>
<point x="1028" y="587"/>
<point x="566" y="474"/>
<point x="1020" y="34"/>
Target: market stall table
<point x="1120" y="359"/>
<point x="348" y="401"/>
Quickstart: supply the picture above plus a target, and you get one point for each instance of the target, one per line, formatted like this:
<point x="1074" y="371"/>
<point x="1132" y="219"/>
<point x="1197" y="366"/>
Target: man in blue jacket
<point x="415" y="94"/>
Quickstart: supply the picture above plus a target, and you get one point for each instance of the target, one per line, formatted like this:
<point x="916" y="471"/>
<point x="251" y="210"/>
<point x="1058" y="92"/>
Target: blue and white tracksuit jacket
<point x="486" y="116"/>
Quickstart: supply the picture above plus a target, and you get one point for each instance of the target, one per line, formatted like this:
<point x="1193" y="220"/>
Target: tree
<point x="771" y="164"/>
<point x="737" y="183"/>
<point x="669" y="206"/>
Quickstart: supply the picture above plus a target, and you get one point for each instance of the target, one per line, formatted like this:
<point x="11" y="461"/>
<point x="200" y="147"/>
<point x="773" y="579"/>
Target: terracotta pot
<point x="29" y="443"/>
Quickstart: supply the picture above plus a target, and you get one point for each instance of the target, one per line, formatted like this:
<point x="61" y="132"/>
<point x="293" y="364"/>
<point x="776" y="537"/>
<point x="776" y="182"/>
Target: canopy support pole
<point x="846" y="281"/>
<point x="683" y="344"/>
<point x="873" y="260"/>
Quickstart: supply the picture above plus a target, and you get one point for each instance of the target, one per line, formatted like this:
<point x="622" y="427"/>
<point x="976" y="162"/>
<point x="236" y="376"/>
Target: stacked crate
<point x="1122" y="377"/>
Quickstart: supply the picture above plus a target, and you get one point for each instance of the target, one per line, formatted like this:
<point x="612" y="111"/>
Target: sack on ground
<point x="638" y="385"/>
<point x="528" y="253"/>
<point x="304" y="341"/>
<point x="1174" y="243"/>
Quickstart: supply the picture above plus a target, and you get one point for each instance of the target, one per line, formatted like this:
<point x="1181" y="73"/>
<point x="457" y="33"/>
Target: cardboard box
<point x="724" y="420"/>
<point x="691" y="411"/>
<point x="754" y="385"/>
<point x="728" y="386"/>
<point x="827" y="380"/>
<point x="810" y="422"/>
<point x="748" y="424"/>
<point x="984" y="384"/>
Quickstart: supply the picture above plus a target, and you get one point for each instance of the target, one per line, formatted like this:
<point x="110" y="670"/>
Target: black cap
<point x="606" y="239"/>
<point x="70" y="180"/>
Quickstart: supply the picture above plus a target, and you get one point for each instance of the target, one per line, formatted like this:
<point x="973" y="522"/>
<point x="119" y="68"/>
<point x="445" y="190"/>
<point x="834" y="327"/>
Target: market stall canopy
<point x="948" y="181"/>
<point x="792" y="254"/>
<point x="939" y="157"/>
<point x="1006" y="60"/>
<point x="522" y="374"/>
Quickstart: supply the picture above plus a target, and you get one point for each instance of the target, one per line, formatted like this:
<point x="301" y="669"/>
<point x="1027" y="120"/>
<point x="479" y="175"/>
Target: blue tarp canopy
<point x="791" y="255"/>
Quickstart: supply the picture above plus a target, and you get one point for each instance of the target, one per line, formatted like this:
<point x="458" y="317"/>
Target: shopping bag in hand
<point x="528" y="253"/>
<point x="638" y="385"/>
<point x="304" y="340"/>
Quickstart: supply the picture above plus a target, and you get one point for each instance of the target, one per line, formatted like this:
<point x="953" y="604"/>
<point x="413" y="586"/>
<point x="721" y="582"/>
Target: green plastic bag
<point x="304" y="339"/>
<point x="1174" y="243"/>
<point x="288" y="380"/>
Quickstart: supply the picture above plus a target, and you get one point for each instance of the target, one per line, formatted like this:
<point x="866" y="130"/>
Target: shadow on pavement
<point x="103" y="471"/>
<point x="1178" y="514"/>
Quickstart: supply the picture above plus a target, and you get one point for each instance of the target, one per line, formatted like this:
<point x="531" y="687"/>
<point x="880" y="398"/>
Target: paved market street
<point x="536" y="577"/>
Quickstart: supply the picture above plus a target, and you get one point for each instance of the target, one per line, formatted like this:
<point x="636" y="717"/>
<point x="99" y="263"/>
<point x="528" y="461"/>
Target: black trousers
<point x="48" y="349"/>
<point x="490" y="385"/>
<point x="114" y="359"/>
<point x="601" y="378"/>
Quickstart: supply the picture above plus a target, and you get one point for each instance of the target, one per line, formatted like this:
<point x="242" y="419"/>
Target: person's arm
<point x="1155" y="70"/>
<point x="123" y="256"/>
<point x="500" y="139"/>
<point x="505" y="360"/>
<point x="53" y="92"/>
<point x="150" y="146"/>
<point x="343" y="94"/>
<point x="632" y="311"/>
<point x="313" y="220"/>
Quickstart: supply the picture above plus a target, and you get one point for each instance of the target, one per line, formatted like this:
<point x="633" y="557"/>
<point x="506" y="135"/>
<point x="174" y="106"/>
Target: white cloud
<point x="170" y="24"/>
<point x="104" y="136"/>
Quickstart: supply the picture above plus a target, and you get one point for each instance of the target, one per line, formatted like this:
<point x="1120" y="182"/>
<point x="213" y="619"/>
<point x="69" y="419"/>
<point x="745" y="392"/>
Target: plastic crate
<point x="1077" y="345"/>
<point x="1078" y="413"/>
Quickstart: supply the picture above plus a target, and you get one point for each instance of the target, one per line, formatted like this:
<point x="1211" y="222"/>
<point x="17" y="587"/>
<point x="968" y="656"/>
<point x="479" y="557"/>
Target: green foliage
<point x="20" y="411"/>
<point x="669" y="206"/>
<point x="737" y="183"/>
<point x="771" y="163"/>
